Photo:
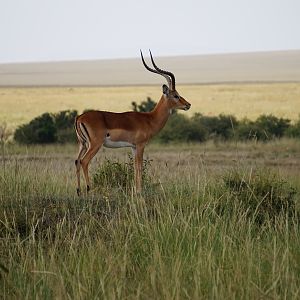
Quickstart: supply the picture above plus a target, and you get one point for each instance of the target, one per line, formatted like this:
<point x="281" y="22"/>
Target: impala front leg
<point x="138" y="166"/>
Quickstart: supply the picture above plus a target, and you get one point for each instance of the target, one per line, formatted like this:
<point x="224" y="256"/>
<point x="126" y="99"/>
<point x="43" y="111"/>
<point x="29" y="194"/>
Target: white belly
<point x="108" y="143"/>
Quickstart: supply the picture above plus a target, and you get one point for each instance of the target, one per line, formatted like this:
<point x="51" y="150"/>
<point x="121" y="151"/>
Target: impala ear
<point x="165" y="90"/>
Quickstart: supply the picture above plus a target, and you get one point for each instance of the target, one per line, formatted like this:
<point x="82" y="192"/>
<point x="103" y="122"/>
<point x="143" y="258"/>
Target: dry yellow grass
<point x="20" y="105"/>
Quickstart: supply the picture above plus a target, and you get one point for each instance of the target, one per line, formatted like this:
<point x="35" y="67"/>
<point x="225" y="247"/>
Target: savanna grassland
<point x="20" y="105"/>
<point x="215" y="220"/>
<point x="188" y="236"/>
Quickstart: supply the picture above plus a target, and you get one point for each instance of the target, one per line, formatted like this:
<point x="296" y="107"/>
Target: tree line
<point x="59" y="127"/>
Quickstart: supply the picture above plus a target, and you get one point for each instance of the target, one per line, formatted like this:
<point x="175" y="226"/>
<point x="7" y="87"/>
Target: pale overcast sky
<point x="47" y="30"/>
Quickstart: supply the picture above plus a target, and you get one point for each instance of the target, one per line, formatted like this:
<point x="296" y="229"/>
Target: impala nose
<point x="187" y="107"/>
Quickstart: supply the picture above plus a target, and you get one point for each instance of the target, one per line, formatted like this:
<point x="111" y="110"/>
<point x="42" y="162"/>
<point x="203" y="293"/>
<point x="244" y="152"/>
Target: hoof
<point x="88" y="188"/>
<point x="78" y="191"/>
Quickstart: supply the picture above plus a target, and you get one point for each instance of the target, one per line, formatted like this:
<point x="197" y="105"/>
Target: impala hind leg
<point x="82" y="151"/>
<point x="90" y="153"/>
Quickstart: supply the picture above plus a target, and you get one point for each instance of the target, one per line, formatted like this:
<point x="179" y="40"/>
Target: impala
<point x="127" y="129"/>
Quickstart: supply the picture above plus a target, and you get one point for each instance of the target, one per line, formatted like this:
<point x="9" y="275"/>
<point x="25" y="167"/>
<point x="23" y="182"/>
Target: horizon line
<point x="136" y="57"/>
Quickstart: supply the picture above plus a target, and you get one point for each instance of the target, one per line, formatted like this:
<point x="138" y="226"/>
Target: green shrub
<point x="199" y="128"/>
<point x="249" y="130"/>
<point x="64" y="122"/>
<point x="48" y="128"/>
<point x="40" y="130"/>
<point x="180" y="128"/>
<point x="65" y="119"/>
<point x="221" y="127"/>
<point x="266" y="127"/>
<point x="262" y="195"/>
<point x="145" y="106"/>
<point x="294" y="130"/>
<point x="115" y="174"/>
<point x="273" y="126"/>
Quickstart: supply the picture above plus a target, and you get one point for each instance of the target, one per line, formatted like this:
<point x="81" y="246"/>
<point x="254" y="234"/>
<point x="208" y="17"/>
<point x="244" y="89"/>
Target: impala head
<point x="175" y="101"/>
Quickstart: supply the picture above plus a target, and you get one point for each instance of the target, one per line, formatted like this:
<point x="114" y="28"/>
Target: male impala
<point x="127" y="129"/>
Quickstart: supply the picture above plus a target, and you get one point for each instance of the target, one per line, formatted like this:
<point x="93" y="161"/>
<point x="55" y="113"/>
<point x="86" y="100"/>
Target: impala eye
<point x="176" y="97"/>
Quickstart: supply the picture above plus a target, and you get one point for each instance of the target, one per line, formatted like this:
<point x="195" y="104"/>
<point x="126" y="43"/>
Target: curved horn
<point x="156" y="71"/>
<point x="164" y="72"/>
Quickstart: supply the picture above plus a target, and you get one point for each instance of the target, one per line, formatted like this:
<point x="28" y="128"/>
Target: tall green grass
<point x="172" y="242"/>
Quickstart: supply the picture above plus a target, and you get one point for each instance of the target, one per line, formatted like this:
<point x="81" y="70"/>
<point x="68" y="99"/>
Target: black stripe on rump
<point x="79" y="133"/>
<point x="85" y="129"/>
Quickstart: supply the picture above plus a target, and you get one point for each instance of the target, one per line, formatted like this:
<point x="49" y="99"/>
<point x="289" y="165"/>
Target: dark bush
<point x="48" y="128"/>
<point x="40" y="130"/>
<point x="274" y="127"/>
<point x="65" y="119"/>
<point x="197" y="132"/>
<point x="249" y="130"/>
<point x="226" y="126"/>
<point x="294" y="130"/>
<point x="145" y="106"/>
<point x="221" y="127"/>
<point x="64" y="122"/>
<point x="266" y="127"/>
<point x="199" y="128"/>
<point x="180" y="128"/>
<point x="262" y="195"/>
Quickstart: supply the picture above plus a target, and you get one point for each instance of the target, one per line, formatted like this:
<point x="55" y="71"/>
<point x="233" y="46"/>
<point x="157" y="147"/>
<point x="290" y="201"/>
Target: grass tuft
<point x="116" y="174"/>
<point x="261" y="195"/>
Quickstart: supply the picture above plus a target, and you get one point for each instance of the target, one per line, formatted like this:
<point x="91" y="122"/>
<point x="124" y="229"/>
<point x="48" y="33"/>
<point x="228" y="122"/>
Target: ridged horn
<point x="172" y="86"/>
<point x="157" y="71"/>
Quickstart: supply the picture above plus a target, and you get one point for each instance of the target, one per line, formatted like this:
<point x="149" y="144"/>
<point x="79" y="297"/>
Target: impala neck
<point x="160" y="114"/>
